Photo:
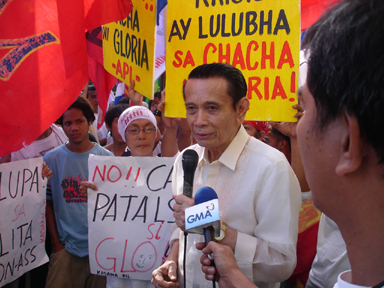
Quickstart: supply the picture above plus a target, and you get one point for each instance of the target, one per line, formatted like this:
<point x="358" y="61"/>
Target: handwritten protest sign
<point x="22" y="214"/>
<point x="129" y="215"/>
<point x="129" y="47"/>
<point x="259" y="37"/>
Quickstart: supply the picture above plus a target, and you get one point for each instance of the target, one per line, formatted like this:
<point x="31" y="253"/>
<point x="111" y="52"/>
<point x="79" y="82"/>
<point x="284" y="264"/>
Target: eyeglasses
<point x="136" y="130"/>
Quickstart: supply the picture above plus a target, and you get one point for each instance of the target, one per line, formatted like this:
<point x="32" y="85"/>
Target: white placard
<point x="22" y="214"/>
<point x="129" y="215"/>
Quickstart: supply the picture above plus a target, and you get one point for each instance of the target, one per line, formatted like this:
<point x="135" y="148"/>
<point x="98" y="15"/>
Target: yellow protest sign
<point x="259" y="37"/>
<point x="129" y="47"/>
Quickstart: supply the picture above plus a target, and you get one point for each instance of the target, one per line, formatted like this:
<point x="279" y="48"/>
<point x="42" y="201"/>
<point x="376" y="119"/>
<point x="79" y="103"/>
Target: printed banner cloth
<point x="43" y="61"/>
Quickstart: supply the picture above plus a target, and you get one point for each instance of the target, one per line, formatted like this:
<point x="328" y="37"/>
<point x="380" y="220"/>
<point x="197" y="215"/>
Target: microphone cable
<point x="184" y="258"/>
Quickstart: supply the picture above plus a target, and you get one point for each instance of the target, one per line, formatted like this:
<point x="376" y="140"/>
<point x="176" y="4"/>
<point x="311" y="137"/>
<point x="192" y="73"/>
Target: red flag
<point x="311" y="10"/>
<point x="100" y="77"/>
<point x="43" y="61"/>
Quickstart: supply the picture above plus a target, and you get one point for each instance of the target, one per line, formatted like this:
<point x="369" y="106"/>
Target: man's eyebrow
<point x="211" y="103"/>
<point x="205" y="103"/>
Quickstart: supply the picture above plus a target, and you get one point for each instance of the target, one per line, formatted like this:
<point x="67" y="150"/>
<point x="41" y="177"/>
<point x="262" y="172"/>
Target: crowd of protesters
<point x="271" y="177"/>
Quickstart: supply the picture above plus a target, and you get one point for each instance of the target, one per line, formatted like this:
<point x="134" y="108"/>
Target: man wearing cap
<point x="257" y="129"/>
<point x="258" y="193"/>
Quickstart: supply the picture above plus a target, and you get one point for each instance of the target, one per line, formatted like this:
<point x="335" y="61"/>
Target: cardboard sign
<point x="259" y="37"/>
<point x="22" y="213"/>
<point x="129" y="47"/>
<point x="129" y="215"/>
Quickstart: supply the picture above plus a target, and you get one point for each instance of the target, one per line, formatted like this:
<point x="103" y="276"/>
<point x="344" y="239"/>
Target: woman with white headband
<point x="137" y="126"/>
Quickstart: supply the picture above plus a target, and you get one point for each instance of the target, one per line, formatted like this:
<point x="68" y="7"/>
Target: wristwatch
<point x="157" y="113"/>
<point x="223" y="227"/>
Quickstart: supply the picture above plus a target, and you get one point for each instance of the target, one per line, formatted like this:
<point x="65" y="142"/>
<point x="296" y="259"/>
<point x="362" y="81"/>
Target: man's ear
<point x="261" y="135"/>
<point x="242" y="107"/>
<point x="352" y="146"/>
<point x="282" y="145"/>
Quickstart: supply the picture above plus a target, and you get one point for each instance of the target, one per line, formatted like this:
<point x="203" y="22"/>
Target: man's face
<point x="271" y="140"/>
<point x="154" y="104"/>
<point x="210" y="114"/>
<point x="75" y="126"/>
<point x="92" y="97"/>
<point x="319" y="151"/>
<point x="250" y="129"/>
<point x="115" y="131"/>
<point x="141" y="144"/>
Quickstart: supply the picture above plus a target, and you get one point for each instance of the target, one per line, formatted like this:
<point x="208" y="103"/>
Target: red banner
<point x="100" y="77"/>
<point x="43" y="61"/>
<point x="311" y="10"/>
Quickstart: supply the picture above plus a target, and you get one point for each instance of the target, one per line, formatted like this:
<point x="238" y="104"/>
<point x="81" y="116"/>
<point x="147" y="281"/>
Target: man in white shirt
<point x="259" y="195"/>
<point x="340" y="134"/>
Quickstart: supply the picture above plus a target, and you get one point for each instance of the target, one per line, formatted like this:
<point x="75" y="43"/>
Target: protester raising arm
<point x="169" y="146"/>
<point x="289" y="129"/>
<point x="135" y="96"/>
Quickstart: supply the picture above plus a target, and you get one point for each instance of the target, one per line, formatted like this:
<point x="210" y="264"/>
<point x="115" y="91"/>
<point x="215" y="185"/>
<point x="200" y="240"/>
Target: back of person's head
<point x="345" y="67"/>
<point x="123" y="100"/>
<point x="236" y="85"/>
<point x="83" y="105"/>
<point x="114" y="112"/>
<point x="280" y="136"/>
<point x="91" y="89"/>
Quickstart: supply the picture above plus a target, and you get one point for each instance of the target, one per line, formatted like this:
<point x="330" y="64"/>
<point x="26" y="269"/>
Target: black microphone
<point x="189" y="161"/>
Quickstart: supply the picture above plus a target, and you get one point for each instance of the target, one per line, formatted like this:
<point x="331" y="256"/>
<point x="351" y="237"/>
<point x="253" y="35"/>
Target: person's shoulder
<point x="54" y="152"/>
<point x="59" y="132"/>
<point x="261" y="150"/>
<point x="199" y="149"/>
<point x="98" y="150"/>
<point x="196" y="147"/>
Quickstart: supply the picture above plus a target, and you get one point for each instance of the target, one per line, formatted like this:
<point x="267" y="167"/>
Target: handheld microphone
<point x="189" y="161"/>
<point x="204" y="217"/>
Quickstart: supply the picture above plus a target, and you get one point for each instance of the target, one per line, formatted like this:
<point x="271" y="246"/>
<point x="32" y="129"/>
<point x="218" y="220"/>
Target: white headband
<point x="134" y="113"/>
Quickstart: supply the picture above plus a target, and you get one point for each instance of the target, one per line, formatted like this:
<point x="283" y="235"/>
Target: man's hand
<point x="57" y="247"/>
<point x="226" y="272"/>
<point x="182" y="202"/>
<point x="135" y="96"/>
<point x="46" y="172"/>
<point x="165" y="275"/>
<point x="84" y="187"/>
<point x="289" y="128"/>
<point x="168" y="122"/>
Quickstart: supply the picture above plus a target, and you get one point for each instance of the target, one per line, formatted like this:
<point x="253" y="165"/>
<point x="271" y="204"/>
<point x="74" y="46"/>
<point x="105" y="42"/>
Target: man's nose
<point x="201" y="118"/>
